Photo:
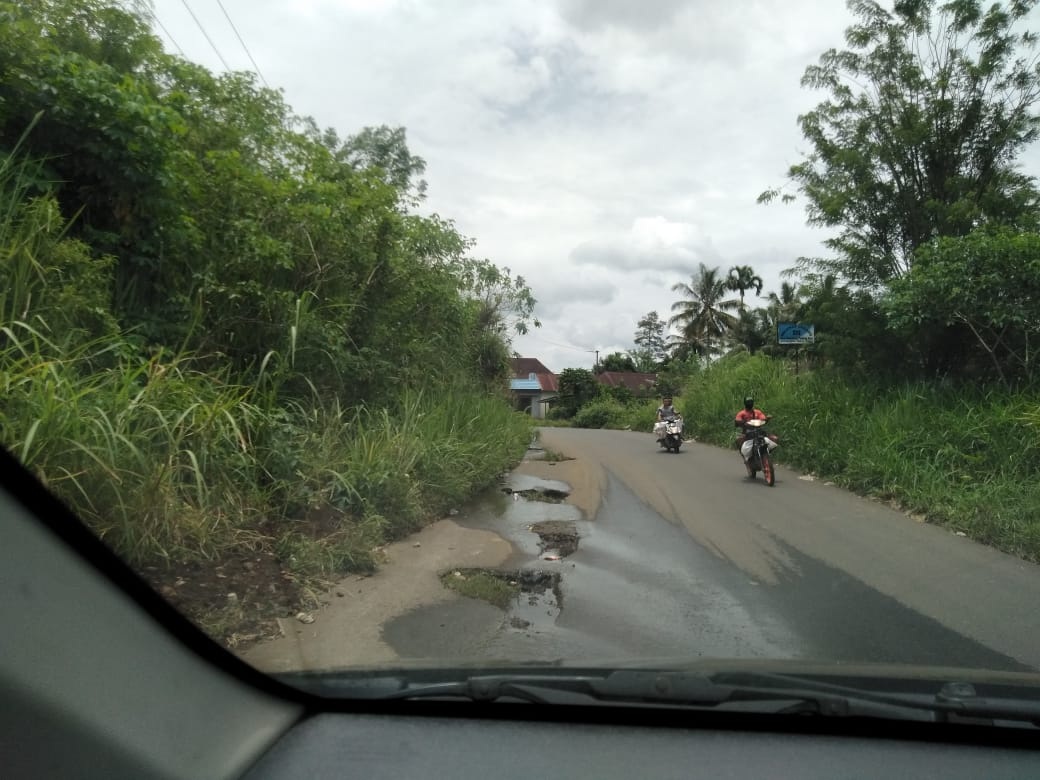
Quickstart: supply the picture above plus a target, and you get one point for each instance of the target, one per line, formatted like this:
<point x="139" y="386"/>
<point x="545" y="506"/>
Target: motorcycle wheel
<point x="767" y="470"/>
<point x="750" y="470"/>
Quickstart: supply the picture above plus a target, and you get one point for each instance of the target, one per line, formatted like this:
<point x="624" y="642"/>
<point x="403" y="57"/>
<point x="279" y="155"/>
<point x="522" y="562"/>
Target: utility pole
<point x="595" y="368"/>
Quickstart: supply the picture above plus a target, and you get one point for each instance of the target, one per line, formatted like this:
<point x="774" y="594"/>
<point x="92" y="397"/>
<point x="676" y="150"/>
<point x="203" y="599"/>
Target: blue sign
<point x="795" y="333"/>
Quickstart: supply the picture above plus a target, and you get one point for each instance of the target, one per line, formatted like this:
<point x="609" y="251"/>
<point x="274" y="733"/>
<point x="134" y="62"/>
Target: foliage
<point x="928" y="108"/>
<point x="703" y="313"/>
<point x="221" y="326"/>
<point x="675" y="373"/>
<point x="617" y="361"/>
<point x="577" y="387"/>
<point x="980" y="296"/>
<point x="601" y="413"/>
<point x="743" y="278"/>
<point x="651" y="343"/>
<point x="940" y="450"/>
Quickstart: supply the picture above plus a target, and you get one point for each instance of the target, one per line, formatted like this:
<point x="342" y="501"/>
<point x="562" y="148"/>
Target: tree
<point x="702" y="314"/>
<point x="617" y="361"/>
<point x="742" y="278"/>
<point x="928" y="108"/>
<point x="385" y="149"/>
<point x="785" y="305"/>
<point x="752" y="331"/>
<point x="650" y="337"/>
<point x="577" y="386"/>
<point x="985" y="286"/>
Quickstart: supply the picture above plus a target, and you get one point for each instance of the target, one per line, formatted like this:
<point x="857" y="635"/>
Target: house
<point x="639" y="384"/>
<point x="533" y="386"/>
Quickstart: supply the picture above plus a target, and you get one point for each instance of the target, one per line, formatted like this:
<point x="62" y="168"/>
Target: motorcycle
<point x="670" y="433"/>
<point x="756" y="448"/>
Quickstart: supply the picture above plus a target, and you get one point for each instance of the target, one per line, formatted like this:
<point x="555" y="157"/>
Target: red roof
<point x="548" y="382"/>
<point x="524" y="367"/>
<point x="638" y="383"/>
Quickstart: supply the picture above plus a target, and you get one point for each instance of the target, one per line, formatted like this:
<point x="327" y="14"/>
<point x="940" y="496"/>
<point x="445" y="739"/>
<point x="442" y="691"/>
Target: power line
<point x="555" y="344"/>
<point x="244" y="47"/>
<point x="166" y="32"/>
<point x="206" y="34"/>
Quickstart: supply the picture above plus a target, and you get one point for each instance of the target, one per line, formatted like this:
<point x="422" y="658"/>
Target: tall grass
<point x="961" y="456"/>
<point x="167" y="461"/>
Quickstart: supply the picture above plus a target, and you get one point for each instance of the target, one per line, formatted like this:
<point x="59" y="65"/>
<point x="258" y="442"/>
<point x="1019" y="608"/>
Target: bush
<point x="604" y="413"/>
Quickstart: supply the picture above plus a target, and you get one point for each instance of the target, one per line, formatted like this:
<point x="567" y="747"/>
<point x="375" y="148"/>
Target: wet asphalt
<point x="686" y="559"/>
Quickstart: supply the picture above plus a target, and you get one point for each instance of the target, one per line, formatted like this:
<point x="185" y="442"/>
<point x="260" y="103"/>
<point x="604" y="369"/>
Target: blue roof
<point x="524" y="384"/>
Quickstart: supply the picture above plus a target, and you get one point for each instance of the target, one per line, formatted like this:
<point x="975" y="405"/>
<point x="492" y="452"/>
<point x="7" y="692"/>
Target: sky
<point x="601" y="149"/>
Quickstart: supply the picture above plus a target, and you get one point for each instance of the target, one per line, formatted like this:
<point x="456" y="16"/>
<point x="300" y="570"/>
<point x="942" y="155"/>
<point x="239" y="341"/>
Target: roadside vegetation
<point x="922" y="385"/>
<point x="228" y="340"/>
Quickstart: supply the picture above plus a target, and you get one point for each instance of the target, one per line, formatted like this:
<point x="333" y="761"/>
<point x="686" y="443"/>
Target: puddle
<point x="523" y="483"/>
<point x="539" y="602"/>
<point x="548" y="495"/>
<point x="531" y="597"/>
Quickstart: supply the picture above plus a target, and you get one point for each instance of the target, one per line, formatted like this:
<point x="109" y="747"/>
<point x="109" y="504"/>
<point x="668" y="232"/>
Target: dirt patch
<point x="234" y="599"/>
<point x="557" y="537"/>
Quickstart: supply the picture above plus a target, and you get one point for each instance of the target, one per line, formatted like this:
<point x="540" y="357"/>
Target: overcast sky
<point x="600" y="148"/>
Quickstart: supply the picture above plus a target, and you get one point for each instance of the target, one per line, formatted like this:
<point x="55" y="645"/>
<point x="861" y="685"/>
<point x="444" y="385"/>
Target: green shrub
<point x="602" y="413"/>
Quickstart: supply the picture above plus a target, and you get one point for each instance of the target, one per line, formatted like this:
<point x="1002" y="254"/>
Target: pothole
<point x="532" y="597"/>
<point x="548" y="495"/>
<point x="557" y="538"/>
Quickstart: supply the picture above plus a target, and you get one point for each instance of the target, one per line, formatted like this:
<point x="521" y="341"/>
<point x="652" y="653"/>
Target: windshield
<point x="394" y="335"/>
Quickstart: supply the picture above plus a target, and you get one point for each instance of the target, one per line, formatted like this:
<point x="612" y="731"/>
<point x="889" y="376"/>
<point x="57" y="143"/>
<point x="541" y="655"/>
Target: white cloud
<point x="652" y="243"/>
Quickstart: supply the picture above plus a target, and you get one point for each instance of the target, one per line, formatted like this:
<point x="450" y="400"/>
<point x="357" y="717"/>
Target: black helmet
<point x="749" y="403"/>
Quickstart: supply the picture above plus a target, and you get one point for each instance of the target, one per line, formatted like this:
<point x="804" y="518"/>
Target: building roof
<point x="531" y="374"/>
<point x="638" y="383"/>
<point x="523" y="367"/>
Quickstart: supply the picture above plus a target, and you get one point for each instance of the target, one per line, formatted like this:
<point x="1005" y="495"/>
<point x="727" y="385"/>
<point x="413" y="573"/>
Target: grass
<point x="174" y="462"/>
<point x="963" y="457"/>
<point x="483" y="585"/>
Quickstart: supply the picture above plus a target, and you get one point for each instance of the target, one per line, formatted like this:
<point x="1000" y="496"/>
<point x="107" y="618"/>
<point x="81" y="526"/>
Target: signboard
<point x="795" y="333"/>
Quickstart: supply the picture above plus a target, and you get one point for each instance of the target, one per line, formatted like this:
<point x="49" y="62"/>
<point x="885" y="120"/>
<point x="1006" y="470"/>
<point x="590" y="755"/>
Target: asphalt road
<point x="683" y="556"/>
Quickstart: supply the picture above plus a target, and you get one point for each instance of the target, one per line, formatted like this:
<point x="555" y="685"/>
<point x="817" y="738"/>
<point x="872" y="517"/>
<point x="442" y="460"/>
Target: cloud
<point x="555" y="293"/>
<point x="652" y="243"/>
<point x="600" y="14"/>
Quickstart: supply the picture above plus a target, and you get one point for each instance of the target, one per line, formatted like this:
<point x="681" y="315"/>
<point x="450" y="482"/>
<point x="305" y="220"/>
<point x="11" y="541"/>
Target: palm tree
<point x="742" y="278"/>
<point x="786" y="306"/>
<point x="702" y="315"/>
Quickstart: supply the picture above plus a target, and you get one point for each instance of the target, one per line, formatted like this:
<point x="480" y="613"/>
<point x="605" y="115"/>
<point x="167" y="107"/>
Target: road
<point x="682" y="556"/>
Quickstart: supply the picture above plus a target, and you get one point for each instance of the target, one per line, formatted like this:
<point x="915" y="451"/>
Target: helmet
<point x="749" y="403"/>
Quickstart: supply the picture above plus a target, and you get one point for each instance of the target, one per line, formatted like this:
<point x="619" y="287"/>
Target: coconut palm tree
<point x="742" y="278"/>
<point x="703" y="313"/>
<point x="786" y="306"/>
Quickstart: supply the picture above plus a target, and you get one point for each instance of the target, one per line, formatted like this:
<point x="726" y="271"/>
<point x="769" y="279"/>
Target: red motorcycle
<point x="755" y="448"/>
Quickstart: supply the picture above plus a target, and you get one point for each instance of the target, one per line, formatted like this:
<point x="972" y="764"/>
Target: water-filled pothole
<point x="548" y="495"/>
<point x="532" y="597"/>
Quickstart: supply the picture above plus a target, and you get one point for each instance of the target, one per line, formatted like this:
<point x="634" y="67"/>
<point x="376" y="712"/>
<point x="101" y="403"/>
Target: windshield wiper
<point x="723" y="690"/>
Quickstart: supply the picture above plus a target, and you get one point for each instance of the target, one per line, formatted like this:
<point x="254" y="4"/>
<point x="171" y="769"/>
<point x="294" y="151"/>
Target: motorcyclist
<point x="666" y="411"/>
<point x="749" y="412"/>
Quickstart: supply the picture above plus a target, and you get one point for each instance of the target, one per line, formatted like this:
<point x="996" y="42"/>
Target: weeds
<point x="492" y="587"/>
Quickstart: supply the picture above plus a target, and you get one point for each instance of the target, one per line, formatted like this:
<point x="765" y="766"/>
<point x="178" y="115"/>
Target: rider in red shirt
<point x="749" y="412"/>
